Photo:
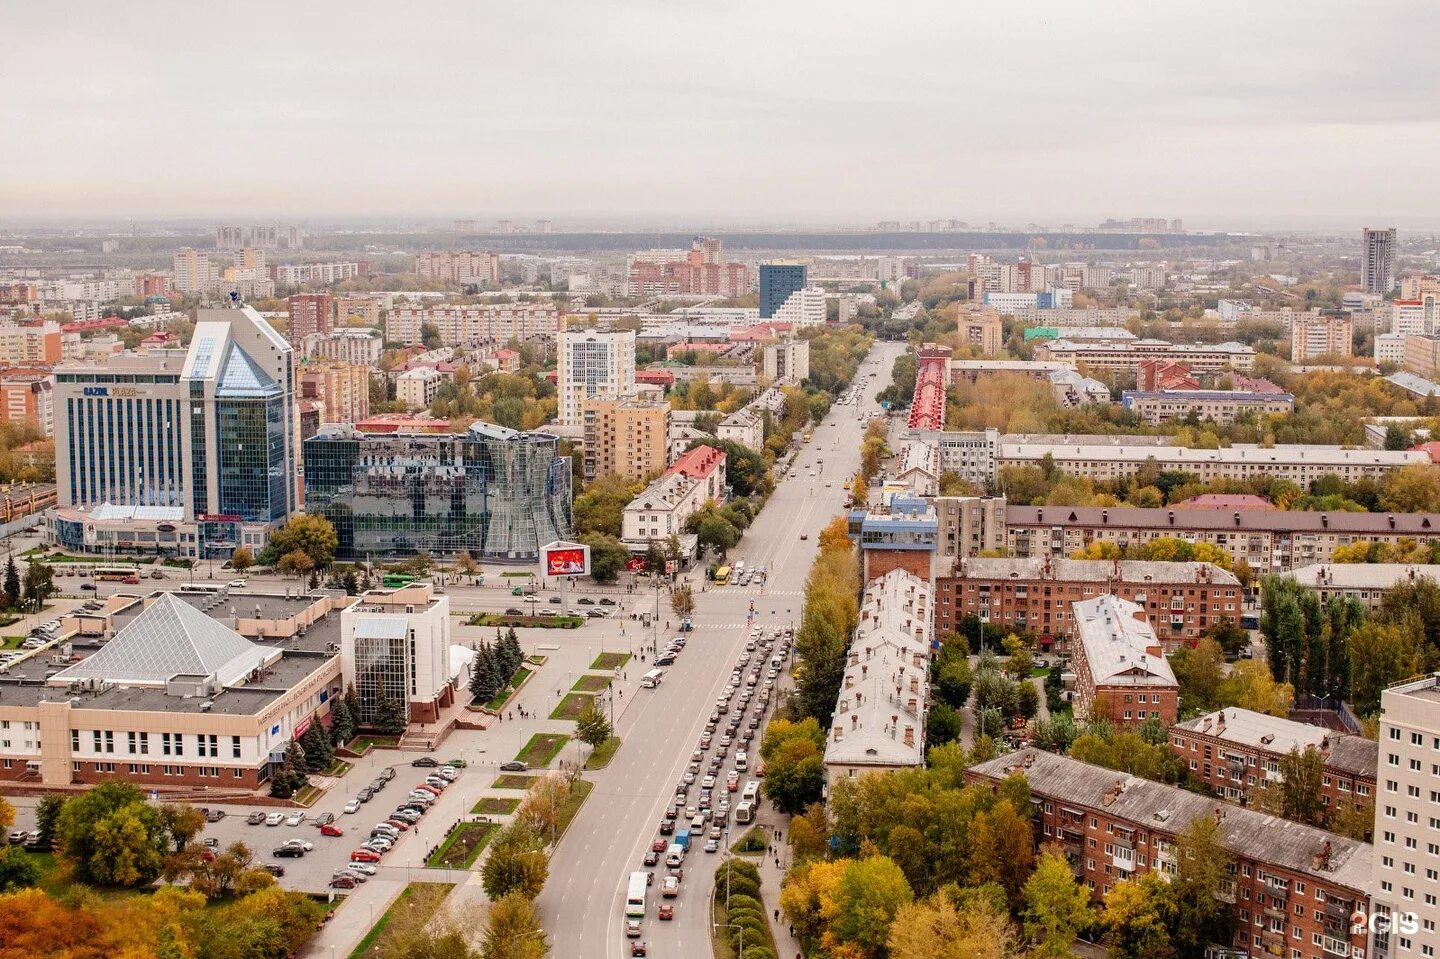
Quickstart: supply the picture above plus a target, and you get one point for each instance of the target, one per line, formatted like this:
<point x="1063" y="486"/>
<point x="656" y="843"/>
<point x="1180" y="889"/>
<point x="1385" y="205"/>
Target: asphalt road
<point x="582" y="905"/>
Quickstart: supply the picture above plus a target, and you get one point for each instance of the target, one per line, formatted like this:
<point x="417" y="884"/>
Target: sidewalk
<point x="771" y="878"/>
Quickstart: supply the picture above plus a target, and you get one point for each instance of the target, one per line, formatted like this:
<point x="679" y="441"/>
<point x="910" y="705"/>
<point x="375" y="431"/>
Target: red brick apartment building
<point x="1237" y="753"/>
<point x="1121" y="673"/>
<point x="1295" y="888"/>
<point x="1180" y="599"/>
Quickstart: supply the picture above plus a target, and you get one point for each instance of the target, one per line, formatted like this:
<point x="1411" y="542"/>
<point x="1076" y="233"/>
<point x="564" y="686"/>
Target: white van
<point x="742" y="761"/>
<point x="751" y="792"/>
<point x="675" y="856"/>
<point x="652" y="679"/>
<point x="745" y="812"/>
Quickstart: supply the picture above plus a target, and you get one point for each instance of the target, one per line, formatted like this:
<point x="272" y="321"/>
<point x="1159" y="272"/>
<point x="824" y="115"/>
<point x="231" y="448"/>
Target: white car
<point x="275" y="819"/>
<point x="449" y="772"/>
<point x="353" y="806"/>
<point x="304" y="844"/>
<point x="362" y="867"/>
<point x="296" y="818"/>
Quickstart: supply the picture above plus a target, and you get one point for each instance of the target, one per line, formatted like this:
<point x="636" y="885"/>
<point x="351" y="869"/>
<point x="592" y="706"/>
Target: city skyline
<point x="805" y="114"/>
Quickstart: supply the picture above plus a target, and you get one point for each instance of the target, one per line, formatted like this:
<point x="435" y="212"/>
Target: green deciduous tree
<point x="308" y="533"/>
<point x="1056" y="907"/>
<point x="866" y="899"/>
<point x="111" y="836"/>
<point x="517" y="863"/>
<point x="794" y="764"/>
<point x="591" y="726"/>
<point x="513" y="930"/>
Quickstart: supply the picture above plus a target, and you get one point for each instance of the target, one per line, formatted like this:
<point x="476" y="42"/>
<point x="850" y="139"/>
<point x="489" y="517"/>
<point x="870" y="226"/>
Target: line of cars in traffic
<point x="733" y="724"/>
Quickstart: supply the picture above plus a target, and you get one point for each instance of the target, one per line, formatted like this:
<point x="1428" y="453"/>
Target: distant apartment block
<point x="787" y="360"/>
<point x="1200" y="357"/>
<point x="593" y="365"/>
<point x="460" y="267"/>
<point x="699" y="271"/>
<point x="803" y="308"/>
<point x="28" y="396"/>
<point x="299" y="274"/>
<point x="1377" y="260"/>
<point x="1316" y="334"/>
<point x="341" y="390"/>
<point x="195" y="272"/>
<point x="418" y="387"/>
<point x="1217" y="406"/>
<point x="1421" y="354"/>
<point x="493" y="324"/>
<point x="357" y="311"/>
<point x="260" y="237"/>
<point x="311" y="314"/>
<point x="360" y="346"/>
<point x="982" y="331"/>
<point x="30" y="344"/>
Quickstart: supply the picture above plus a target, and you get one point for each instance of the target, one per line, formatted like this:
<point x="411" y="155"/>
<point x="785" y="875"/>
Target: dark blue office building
<point x="777" y="282"/>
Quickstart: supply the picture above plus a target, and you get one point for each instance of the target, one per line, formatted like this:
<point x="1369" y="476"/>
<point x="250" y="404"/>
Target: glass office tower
<point x="496" y="493"/>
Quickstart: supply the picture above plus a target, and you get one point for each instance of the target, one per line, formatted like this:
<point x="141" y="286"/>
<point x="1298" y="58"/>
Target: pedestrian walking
<point x="777" y="915"/>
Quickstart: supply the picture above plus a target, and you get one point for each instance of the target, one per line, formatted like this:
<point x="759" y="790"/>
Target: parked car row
<point x="385" y="834"/>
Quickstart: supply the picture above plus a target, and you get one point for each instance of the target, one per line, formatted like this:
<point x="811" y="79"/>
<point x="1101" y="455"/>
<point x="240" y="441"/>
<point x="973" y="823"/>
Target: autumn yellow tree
<point x="937" y="928"/>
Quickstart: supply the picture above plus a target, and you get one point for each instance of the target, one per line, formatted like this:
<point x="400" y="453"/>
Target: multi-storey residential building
<point x="395" y="645"/>
<point x="491" y="325"/>
<point x="1296" y="889"/>
<point x="777" y="282"/>
<point x="1421" y="354"/>
<point x="27" y="396"/>
<point x="1218" y="406"/>
<point x="1121" y="674"/>
<point x="31" y="343"/>
<point x="1366" y="582"/>
<point x="495" y="493"/>
<point x="1182" y="600"/>
<point x="1414" y="317"/>
<point x="982" y="331"/>
<point x="460" y="266"/>
<point x="1271" y="541"/>
<point x="151" y="284"/>
<point x="311" y="314"/>
<point x="1113" y="355"/>
<point x="195" y="272"/>
<point x="593" y="365"/>
<point x="1317" y="334"/>
<point x="1390" y="348"/>
<point x="699" y="271"/>
<point x="209" y="432"/>
<point x="418" y="387"/>
<point x="1405" y="884"/>
<point x="745" y="426"/>
<point x="299" y="274"/>
<point x="359" y="346"/>
<point x="661" y="509"/>
<point x="879" y="720"/>
<point x="920" y="469"/>
<point x="341" y="389"/>
<point x="260" y="237"/>
<point x="1237" y="753"/>
<point x="904" y="534"/>
<point x="357" y="311"/>
<point x="967" y="526"/>
<point x="1377" y="260"/>
<point x="787" y="360"/>
<point x="159" y="692"/>
<point x="626" y="438"/>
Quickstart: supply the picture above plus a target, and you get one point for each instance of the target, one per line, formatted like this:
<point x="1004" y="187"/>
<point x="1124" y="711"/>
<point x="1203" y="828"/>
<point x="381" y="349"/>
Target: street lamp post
<point x="740" y="946"/>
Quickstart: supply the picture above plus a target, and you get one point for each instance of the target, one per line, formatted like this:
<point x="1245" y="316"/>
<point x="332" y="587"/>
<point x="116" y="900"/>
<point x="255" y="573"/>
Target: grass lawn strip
<point x="463" y="846"/>
<point x="570" y="807"/>
<point x="610" y="661"/>
<point x="602" y="754"/>
<point x="513" y="781"/>
<point x="571" y="706"/>
<point x="495" y="806"/>
<point x="751" y="843"/>
<point x="542" y="749"/>
<point x="418" y="898"/>
<point x="522" y="673"/>
<point x="592" y="684"/>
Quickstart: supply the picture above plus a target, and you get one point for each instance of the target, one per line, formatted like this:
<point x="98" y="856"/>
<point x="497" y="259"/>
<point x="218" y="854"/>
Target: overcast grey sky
<point x="1226" y="113"/>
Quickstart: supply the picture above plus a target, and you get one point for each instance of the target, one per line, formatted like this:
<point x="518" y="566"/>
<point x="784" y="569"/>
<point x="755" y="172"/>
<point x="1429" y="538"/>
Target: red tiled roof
<point x="701" y="461"/>
<point x="1432" y="448"/>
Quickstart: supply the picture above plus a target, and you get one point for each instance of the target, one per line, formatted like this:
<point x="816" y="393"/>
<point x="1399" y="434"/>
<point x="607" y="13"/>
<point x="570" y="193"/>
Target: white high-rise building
<point x="1377" y="261"/>
<point x="804" y="307"/>
<point x="595" y="365"/>
<point x="1405" y="882"/>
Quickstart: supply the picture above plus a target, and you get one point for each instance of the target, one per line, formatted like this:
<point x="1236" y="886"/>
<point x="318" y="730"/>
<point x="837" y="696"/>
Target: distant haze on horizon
<point x="644" y="114"/>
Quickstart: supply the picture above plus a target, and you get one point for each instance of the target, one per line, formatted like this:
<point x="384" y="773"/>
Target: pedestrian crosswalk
<point x="751" y="591"/>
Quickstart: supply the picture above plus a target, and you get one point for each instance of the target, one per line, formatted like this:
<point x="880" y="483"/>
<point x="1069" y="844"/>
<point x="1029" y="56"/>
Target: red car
<point x="426" y="787"/>
<point x="659" y="845"/>
<point x="667" y="911"/>
<point x="364" y="855"/>
<point x="330" y="829"/>
<point x="399" y="824"/>
<point x="732" y="785"/>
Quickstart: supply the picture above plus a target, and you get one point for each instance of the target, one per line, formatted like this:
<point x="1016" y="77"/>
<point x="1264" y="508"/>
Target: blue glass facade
<point x="126" y="445"/>
<point x="495" y="493"/>
<point x="777" y="282"/>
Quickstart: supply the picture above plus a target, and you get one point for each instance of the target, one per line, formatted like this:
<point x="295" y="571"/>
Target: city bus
<point x="722" y="576"/>
<point x="117" y="574"/>
<point x="396" y="580"/>
<point x="635" y="896"/>
<point x="212" y="588"/>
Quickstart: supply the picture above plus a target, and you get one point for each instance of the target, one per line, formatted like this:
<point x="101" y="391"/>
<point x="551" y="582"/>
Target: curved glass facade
<point x="496" y="493"/>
